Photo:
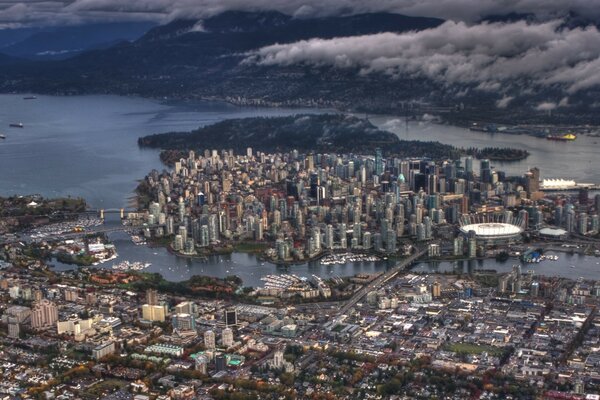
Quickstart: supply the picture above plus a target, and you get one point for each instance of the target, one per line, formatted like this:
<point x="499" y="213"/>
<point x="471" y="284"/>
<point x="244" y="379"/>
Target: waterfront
<point x="587" y="267"/>
<point x="245" y="265"/>
<point x="250" y="269"/>
<point x="573" y="160"/>
<point x="87" y="146"/>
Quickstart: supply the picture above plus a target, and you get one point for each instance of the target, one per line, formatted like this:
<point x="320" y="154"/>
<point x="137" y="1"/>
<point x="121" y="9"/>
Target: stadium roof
<point x="492" y="229"/>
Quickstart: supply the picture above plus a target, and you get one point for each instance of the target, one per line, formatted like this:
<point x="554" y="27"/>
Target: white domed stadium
<point x="492" y="230"/>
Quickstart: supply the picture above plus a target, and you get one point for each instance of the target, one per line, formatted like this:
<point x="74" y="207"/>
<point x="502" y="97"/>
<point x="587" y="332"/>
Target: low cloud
<point x="546" y="106"/>
<point x="489" y="56"/>
<point x="504" y="102"/>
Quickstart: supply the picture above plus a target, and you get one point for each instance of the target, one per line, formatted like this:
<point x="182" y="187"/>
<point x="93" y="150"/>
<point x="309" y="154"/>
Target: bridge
<point x="380" y="281"/>
<point x="101" y="212"/>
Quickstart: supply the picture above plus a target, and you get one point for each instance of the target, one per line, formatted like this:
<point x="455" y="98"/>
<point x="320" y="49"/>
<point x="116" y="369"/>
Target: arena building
<point x="493" y="233"/>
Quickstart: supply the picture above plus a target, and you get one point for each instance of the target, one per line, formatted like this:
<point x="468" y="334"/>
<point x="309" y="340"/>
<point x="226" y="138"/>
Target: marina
<point x="344" y="258"/>
<point x="131" y="266"/>
<point x="83" y="223"/>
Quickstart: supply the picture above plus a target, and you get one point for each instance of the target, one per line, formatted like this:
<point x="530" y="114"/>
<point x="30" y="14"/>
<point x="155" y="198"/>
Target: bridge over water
<point x="380" y="281"/>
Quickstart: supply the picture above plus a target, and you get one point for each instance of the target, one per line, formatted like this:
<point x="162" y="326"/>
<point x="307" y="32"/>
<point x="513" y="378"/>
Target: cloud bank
<point x="491" y="56"/>
<point x="55" y="12"/>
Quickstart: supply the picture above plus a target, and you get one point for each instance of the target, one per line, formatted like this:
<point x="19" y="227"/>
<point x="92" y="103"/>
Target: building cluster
<point x="539" y="332"/>
<point x="305" y="206"/>
<point x="81" y="334"/>
<point x="66" y="326"/>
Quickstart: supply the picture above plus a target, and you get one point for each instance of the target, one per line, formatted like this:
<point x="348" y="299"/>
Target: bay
<point x="87" y="146"/>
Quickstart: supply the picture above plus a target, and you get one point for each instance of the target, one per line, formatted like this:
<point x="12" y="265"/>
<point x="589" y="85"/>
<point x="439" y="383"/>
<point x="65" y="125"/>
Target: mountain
<point x="190" y="58"/>
<point x="64" y="42"/>
<point x="204" y="59"/>
<point x="12" y="36"/>
<point x="7" y="60"/>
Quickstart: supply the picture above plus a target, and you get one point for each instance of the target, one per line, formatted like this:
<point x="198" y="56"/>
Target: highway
<point x="379" y="281"/>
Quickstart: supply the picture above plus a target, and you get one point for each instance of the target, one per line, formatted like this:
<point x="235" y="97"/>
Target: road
<point x="379" y="281"/>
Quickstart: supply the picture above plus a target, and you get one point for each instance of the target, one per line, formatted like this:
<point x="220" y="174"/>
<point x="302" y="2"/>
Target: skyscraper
<point x="230" y="317"/>
<point x="209" y="340"/>
<point x="227" y="337"/>
<point x="152" y="297"/>
<point x="44" y="314"/>
<point x="184" y="322"/>
<point x="378" y="162"/>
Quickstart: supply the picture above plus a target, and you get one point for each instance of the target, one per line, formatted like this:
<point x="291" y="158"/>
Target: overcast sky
<point x="490" y="56"/>
<point x="51" y="12"/>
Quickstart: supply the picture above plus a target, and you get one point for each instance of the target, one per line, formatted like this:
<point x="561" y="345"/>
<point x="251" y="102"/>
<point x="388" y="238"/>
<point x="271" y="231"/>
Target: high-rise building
<point x="230" y="317"/>
<point x="391" y="241"/>
<point x="186" y="307"/>
<point x="472" y="245"/>
<point x="582" y="224"/>
<point x="329" y="237"/>
<point x="379" y="167"/>
<point x="469" y="168"/>
<point x="152" y="297"/>
<point x="44" y="314"/>
<point x="584" y="194"/>
<point x="227" y="337"/>
<point x="220" y="362"/>
<point x="485" y="171"/>
<point x="532" y="181"/>
<point x="209" y="340"/>
<point x="278" y="359"/>
<point x="14" y="329"/>
<point x="570" y="222"/>
<point x="154" y="313"/>
<point x="458" y="246"/>
<point x="201" y="364"/>
<point x="558" y="215"/>
<point x="183" y="322"/>
<point x="104" y="349"/>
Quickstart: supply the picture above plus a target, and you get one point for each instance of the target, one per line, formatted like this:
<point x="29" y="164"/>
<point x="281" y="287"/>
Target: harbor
<point x="344" y="258"/>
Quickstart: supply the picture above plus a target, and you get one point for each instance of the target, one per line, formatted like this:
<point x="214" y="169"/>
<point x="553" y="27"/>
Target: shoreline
<point x="175" y="100"/>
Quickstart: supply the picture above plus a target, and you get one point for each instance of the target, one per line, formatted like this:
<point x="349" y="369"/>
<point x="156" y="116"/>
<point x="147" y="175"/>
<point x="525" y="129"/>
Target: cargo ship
<point x="564" y="138"/>
<point x="16" y="125"/>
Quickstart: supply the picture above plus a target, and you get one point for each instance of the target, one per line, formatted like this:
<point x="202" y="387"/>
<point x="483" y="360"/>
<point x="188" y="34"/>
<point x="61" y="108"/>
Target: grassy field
<point x="251" y="247"/>
<point x="104" y="388"/>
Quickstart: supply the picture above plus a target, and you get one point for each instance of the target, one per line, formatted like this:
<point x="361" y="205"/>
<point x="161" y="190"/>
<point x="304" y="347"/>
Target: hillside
<point x="321" y="133"/>
<point x="208" y="59"/>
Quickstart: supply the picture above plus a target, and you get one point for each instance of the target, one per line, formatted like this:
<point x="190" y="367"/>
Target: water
<point x="246" y="266"/>
<point x="587" y="267"/>
<point x="576" y="160"/>
<point x="87" y="146"/>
